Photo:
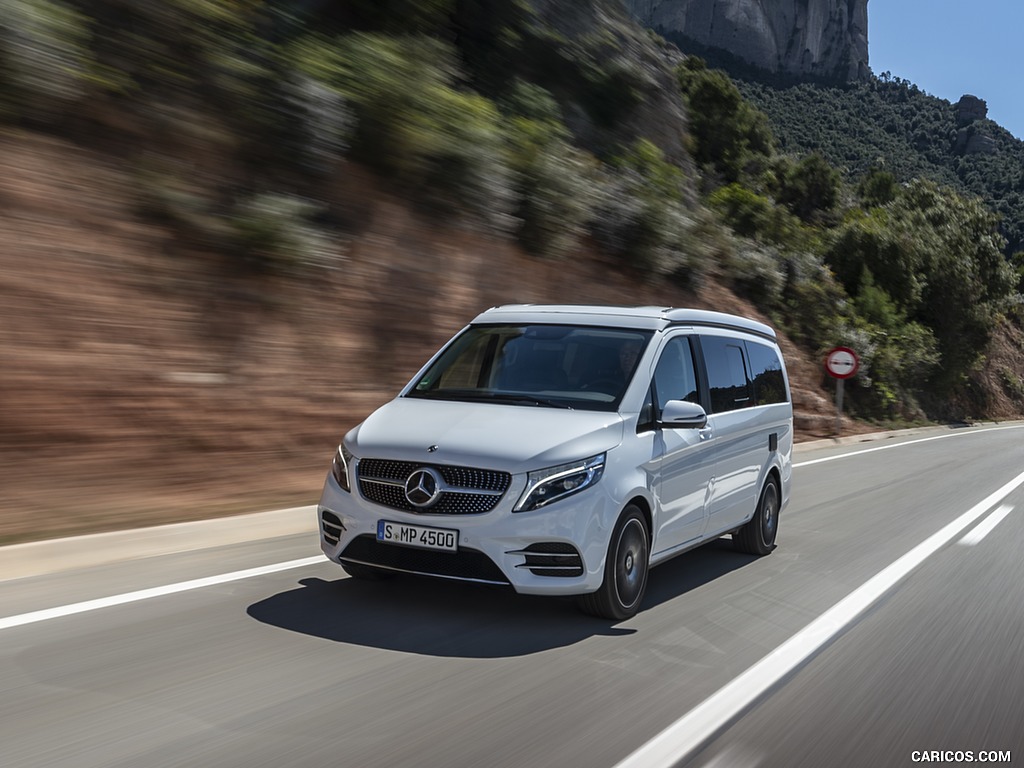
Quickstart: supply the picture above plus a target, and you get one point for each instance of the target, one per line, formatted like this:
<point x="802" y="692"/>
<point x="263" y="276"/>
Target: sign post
<point x="841" y="363"/>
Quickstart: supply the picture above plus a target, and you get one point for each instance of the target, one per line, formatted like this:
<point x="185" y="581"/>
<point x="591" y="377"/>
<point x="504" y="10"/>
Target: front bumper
<point x="528" y="551"/>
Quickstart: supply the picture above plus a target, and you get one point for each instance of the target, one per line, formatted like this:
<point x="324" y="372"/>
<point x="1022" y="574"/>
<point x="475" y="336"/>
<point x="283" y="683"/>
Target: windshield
<point x="556" y="366"/>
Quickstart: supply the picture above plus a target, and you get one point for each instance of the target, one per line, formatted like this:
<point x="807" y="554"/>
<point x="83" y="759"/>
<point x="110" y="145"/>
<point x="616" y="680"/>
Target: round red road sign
<point x="842" y="363"/>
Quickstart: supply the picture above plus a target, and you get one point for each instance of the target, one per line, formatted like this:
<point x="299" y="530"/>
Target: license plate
<point x="442" y="539"/>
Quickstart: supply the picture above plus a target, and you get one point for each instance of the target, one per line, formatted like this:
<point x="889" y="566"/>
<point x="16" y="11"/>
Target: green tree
<point x="938" y="258"/>
<point x="809" y="188"/>
<point x="897" y="354"/>
<point x="887" y="246"/>
<point x="878" y="187"/>
<point x="757" y="216"/>
<point x="728" y="134"/>
<point x="968" y="280"/>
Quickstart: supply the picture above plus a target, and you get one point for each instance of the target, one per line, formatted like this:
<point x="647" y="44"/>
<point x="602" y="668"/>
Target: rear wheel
<point x="625" y="570"/>
<point x="366" y="572"/>
<point x="757" y="537"/>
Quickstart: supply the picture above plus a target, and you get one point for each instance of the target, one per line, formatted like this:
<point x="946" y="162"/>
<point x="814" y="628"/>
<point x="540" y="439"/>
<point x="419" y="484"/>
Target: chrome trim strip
<point x="444" y="487"/>
<point x="426" y="573"/>
<point x="542" y="554"/>
<point x="536" y="567"/>
<point x="382" y="481"/>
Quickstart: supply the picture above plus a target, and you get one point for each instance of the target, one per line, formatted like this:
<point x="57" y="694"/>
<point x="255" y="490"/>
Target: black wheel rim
<point x="770" y="514"/>
<point x="631" y="563"/>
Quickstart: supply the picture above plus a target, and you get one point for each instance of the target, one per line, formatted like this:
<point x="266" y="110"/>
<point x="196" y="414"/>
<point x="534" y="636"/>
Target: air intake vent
<point x="551" y="558"/>
<point x="332" y="527"/>
<point x="464" y="565"/>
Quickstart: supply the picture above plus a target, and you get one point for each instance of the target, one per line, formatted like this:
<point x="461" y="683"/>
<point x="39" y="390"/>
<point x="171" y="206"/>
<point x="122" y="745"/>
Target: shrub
<point x="445" y="145"/>
<point x="816" y="309"/>
<point x="45" y="63"/>
<point x="638" y="217"/>
<point x="756" y="272"/>
<point x="877" y="188"/>
<point x="553" y="191"/>
<point x="659" y="176"/>
<point x="898" y="355"/>
<point x="318" y="124"/>
<point x="270" y="232"/>
<point x="756" y="216"/>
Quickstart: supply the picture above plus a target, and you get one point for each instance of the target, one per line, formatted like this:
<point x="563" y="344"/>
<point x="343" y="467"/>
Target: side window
<point x="728" y="378"/>
<point x="674" y="377"/>
<point x="766" y="372"/>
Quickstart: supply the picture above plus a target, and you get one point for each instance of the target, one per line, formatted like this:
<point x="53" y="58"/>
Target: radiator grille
<point x="471" y="491"/>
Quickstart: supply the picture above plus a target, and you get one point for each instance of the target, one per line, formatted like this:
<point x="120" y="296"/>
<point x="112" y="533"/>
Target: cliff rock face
<point x="969" y="109"/>
<point x="821" y="38"/>
<point x="970" y="139"/>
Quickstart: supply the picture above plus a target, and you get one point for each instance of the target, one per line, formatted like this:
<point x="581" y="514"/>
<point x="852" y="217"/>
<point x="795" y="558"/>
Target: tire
<point x="625" y="570"/>
<point x="757" y="537"/>
<point x="366" y="572"/>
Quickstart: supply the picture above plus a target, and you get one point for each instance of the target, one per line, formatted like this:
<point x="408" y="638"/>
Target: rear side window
<point x="766" y="374"/>
<point x="728" y="377"/>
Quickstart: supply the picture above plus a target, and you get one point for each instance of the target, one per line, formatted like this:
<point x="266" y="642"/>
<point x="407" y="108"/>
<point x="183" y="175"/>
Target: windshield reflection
<point x="554" y="366"/>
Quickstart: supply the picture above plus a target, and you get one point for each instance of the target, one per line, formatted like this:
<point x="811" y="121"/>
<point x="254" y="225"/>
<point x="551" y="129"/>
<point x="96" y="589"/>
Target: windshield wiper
<point x="475" y="395"/>
<point x="533" y="399"/>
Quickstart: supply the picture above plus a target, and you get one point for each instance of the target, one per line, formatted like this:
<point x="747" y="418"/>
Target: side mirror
<point x="682" y="414"/>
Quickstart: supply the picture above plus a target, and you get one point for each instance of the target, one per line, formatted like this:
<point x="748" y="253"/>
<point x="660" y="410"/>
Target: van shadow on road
<point x="450" y="619"/>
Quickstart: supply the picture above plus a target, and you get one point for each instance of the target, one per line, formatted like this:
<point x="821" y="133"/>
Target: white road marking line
<point x="899" y="445"/>
<point x="985" y="527"/>
<point x="734" y="756"/>
<point x="145" y="594"/>
<point x="687" y="734"/>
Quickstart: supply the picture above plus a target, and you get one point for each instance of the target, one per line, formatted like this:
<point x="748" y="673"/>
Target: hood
<point x="511" y="438"/>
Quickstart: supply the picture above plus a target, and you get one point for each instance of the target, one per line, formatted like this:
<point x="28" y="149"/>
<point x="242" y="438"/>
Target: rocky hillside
<point x="144" y="385"/>
<point x="822" y="39"/>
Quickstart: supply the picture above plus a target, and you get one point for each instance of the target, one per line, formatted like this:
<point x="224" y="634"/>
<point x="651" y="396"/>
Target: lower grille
<point x="465" y="565"/>
<point x="332" y="527"/>
<point x="551" y="558"/>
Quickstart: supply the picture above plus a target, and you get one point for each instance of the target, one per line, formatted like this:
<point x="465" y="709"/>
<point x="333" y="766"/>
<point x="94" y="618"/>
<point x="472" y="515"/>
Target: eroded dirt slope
<point x="141" y="385"/>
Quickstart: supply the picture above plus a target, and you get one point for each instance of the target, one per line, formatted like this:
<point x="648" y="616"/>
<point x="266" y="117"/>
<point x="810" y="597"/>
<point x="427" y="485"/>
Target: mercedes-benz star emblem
<point x="423" y="487"/>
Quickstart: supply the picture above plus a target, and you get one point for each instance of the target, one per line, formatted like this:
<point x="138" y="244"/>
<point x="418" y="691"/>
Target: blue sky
<point x="950" y="47"/>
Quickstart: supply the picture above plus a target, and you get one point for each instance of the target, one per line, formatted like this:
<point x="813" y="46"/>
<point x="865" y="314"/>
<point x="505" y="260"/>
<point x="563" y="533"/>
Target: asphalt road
<point x="305" y="667"/>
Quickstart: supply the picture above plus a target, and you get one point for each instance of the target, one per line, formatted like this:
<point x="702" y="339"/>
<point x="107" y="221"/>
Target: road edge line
<point x="71" y="609"/>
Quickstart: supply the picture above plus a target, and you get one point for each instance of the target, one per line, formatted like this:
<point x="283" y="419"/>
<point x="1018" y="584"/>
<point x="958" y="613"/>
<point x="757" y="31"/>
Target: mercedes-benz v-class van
<point x="565" y="450"/>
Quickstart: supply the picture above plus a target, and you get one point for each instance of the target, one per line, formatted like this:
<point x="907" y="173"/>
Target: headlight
<point x="339" y="467"/>
<point x="547" y="485"/>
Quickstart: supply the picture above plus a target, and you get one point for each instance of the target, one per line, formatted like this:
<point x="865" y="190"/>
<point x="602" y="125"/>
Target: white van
<point x="564" y="450"/>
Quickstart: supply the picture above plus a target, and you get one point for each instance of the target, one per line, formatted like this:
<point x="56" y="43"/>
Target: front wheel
<point x="757" y="537"/>
<point x="625" y="570"/>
